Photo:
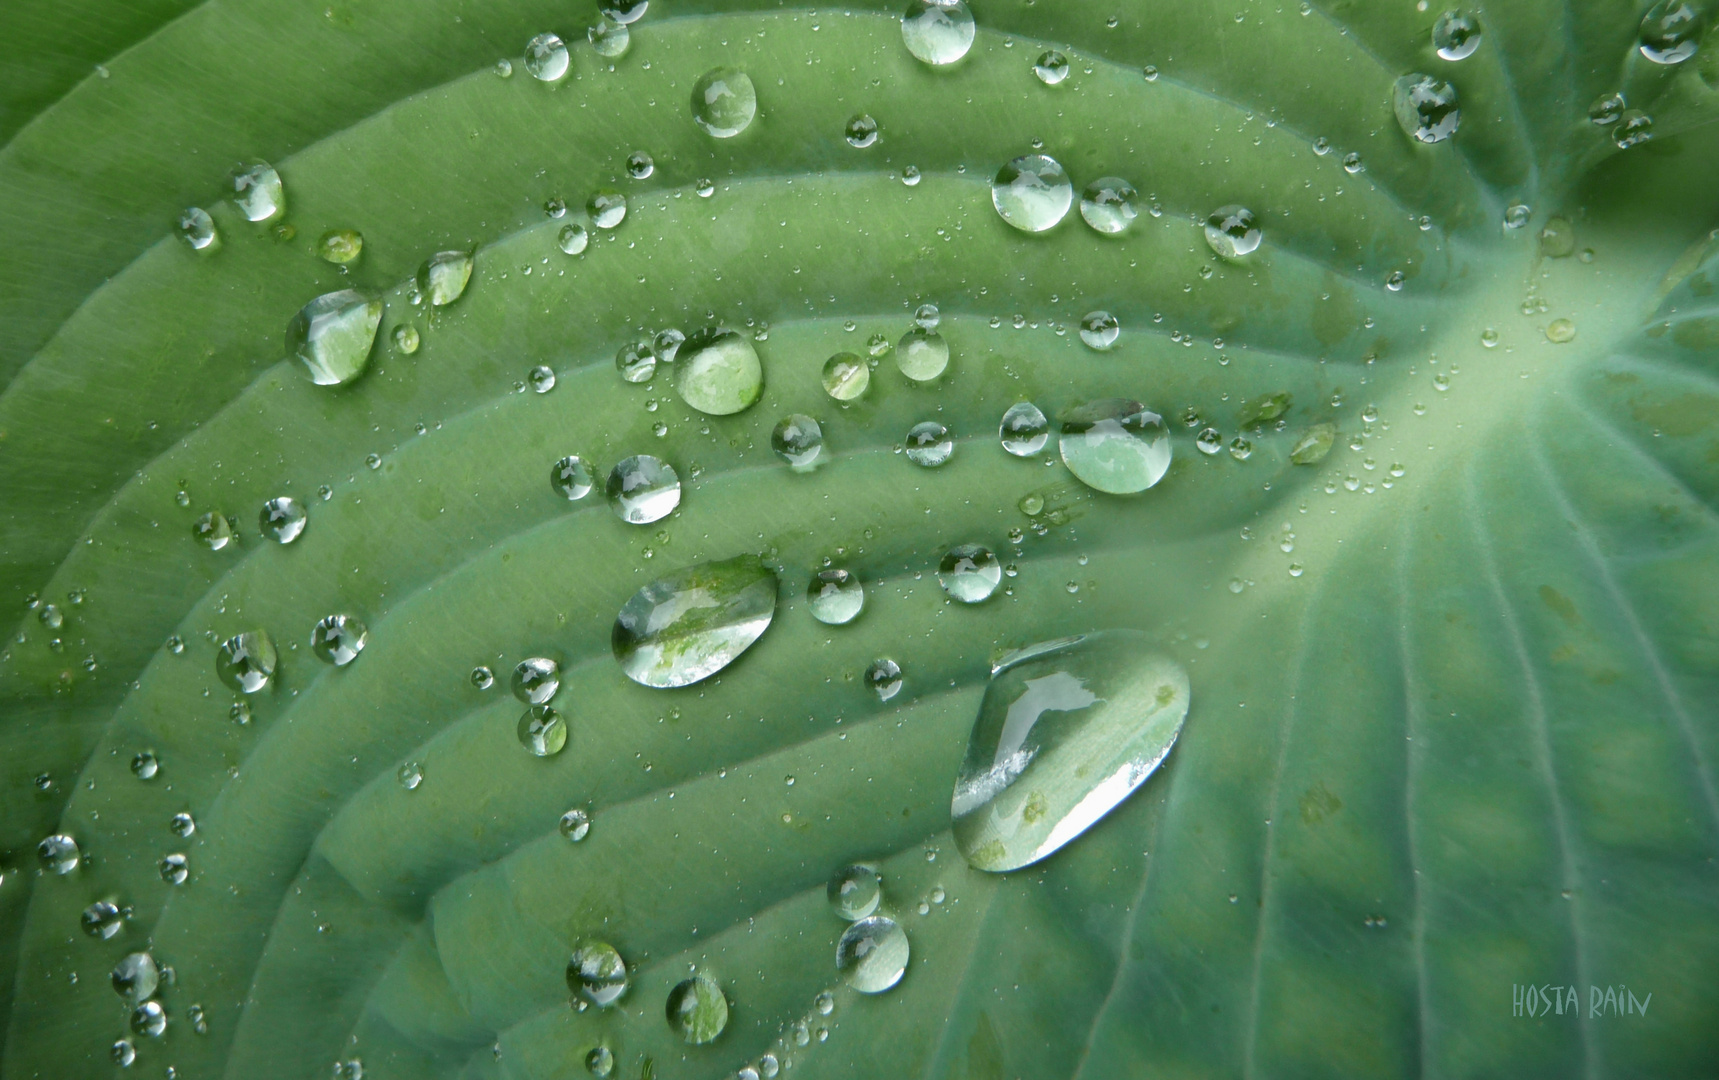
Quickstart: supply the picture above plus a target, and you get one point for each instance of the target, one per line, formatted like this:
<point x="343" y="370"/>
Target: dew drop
<point x="573" y="239"/>
<point x="1232" y="231"/>
<point x="1313" y="446"/>
<point x="1606" y="109"/>
<point x="1099" y="330"/>
<point x="861" y="132"/>
<point x="872" y="954"/>
<point x="600" y="1062"/>
<point x="410" y="774"/>
<point x="724" y="102"/>
<point x="246" y="662"/>
<point x="213" y="531"/>
<point x="1051" y="67"/>
<point x="333" y="334"/>
<point x="884" y="678"/>
<point x="1671" y="31"/>
<point x="197" y="229"/>
<point x="340" y="246"/>
<point x="1352" y="164"/>
<point x="970" y="573"/>
<point x="937" y="32"/>
<point x="136" y="977"/>
<point x="718" y="373"/>
<point x="102" y="919"/>
<point x="597" y="973"/>
<point x="542" y="731"/>
<point x="846" y="376"/>
<point x="637" y="361"/>
<point x="144" y="765"/>
<point x="929" y="444"/>
<point x="640" y="166"/>
<point x="338" y="639"/>
<point x="610" y="39"/>
<point x="282" y="519"/>
<point x="1634" y="127"/>
<point x="1426" y="107"/>
<point x="1108" y="205"/>
<point x="798" y="440"/>
<point x="258" y="193"/>
<point x="642" y="489"/>
<point x="1032" y="193"/>
<point x="689" y="625"/>
<point x="482" y="677"/>
<point x="546" y="58"/>
<point x="667" y="344"/>
<point x="1560" y="331"/>
<point x="535" y="680"/>
<point x="575" y="824"/>
<point x="406" y="338"/>
<point x="1455" y="36"/>
<point x="697" y="1009"/>
<point x="1115" y="445"/>
<point x="1209" y="440"/>
<point x="835" y="596"/>
<point x="541" y="378"/>
<point x="922" y="354"/>
<point x="607" y="208"/>
<point x="175" y="869"/>
<point x="571" y="478"/>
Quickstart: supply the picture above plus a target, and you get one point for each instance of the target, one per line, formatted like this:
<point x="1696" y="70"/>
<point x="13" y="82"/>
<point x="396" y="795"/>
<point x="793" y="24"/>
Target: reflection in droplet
<point x="1115" y="445"/>
<point x="922" y="354"/>
<point x="1426" y="107"/>
<point x="929" y="444"/>
<point x="338" y="639"/>
<point x="573" y="239"/>
<point x="697" y="1009"/>
<point x="1313" y="446"/>
<point x="642" y="489"/>
<point x="607" y="208"/>
<point x="689" y="625"/>
<point x="149" y="1019"/>
<point x="246" y="662"/>
<point x="571" y="478"/>
<point x="600" y="1062"/>
<point x="861" y="132"/>
<point x="1455" y="36"/>
<point x="1032" y="193"/>
<point x="258" y="193"/>
<point x="846" y="376"/>
<point x="535" y="680"/>
<point x="610" y="39"/>
<point x="58" y="854"/>
<point x="1232" y="231"/>
<point x="640" y="166"/>
<point x="835" y="596"/>
<point x="854" y="891"/>
<point x="597" y="973"/>
<point x="282" y="519"/>
<point x="542" y="731"/>
<point x="410" y="774"/>
<point x="872" y="954"/>
<point x="213" y="530"/>
<point x="938" y="32"/>
<point x="1607" y="108"/>
<point x="1108" y="205"/>
<point x="546" y="58"/>
<point x="102" y="919"/>
<point x="1671" y="31"/>
<point x="333" y="334"/>
<point x="575" y="824"/>
<point x="884" y="678"/>
<point x="724" y="102"/>
<point x="443" y="277"/>
<point x="175" y="869"/>
<point x="718" y="372"/>
<point x="136" y="977"/>
<point x="798" y="440"/>
<point x="1633" y="128"/>
<point x="1099" y="330"/>
<point x="1024" y="430"/>
<point x="197" y="229"/>
<point x="970" y="573"/>
<point x="637" y="361"/>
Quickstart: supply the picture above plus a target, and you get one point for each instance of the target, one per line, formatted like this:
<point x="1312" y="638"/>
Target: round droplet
<point x="861" y="132"/>
<point x="910" y="176"/>
<point x="340" y="246"/>
<point x="197" y="229"/>
<point x="922" y="354"/>
<point x="1108" y="205"/>
<point x="1426" y="107"/>
<point x="482" y="677"/>
<point x="542" y="731"/>
<point x="798" y="440"/>
<point x="846" y="376"/>
<point x="136" y="977"/>
<point x="213" y="530"/>
<point x="174" y="869"/>
<point x="1115" y="445"/>
<point x="573" y="239"/>
<point x="1394" y="281"/>
<point x="546" y="58"/>
<point x="1455" y="36"/>
<point x="333" y="334"/>
<point x="144" y="765"/>
<point x="724" y="102"/>
<point x="970" y="573"/>
<point x="1557" y="238"/>
<point x="927" y="317"/>
<point x="541" y="378"/>
<point x="717" y="372"/>
<point x="640" y="166"/>
<point x="824" y="1003"/>
<point x="149" y="1019"/>
<point x="607" y="207"/>
<point x="697" y="1009"/>
<point x="1024" y="430"/>
<point x="575" y="824"/>
<point x="102" y="919"/>
<point x="872" y="954"/>
<point x="571" y="477"/>
<point x="258" y="193"/>
<point x="410" y="774"/>
<point x="1633" y="127"/>
<point x="1099" y="330"/>
<point x="1032" y="193"/>
<point x="122" y="1053"/>
<point x="51" y="617"/>
<point x="536" y="680"/>
<point x="835" y="596"/>
<point x="769" y="1067"/>
<point x="689" y="625"/>
<point x="643" y="489"/>
<point x="636" y="361"/>
<point x="597" y="973"/>
<point x="282" y="519"/>
<point x="704" y="188"/>
<point x="600" y="1062"/>
<point x="1671" y="31"/>
<point x="1516" y="215"/>
<point x="1232" y="231"/>
<point x="406" y="338"/>
<point x="1051" y="67"/>
<point x="246" y="662"/>
<point x="504" y="68"/>
<point x="1560" y="331"/>
<point x="938" y="32"/>
<point x="855" y="891"/>
<point x="884" y="678"/>
<point x="1606" y="109"/>
<point x="667" y="344"/>
<point x="609" y="38"/>
<point x="182" y="824"/>
<point x="929" y="444"/>
<point x="338" y="639"/>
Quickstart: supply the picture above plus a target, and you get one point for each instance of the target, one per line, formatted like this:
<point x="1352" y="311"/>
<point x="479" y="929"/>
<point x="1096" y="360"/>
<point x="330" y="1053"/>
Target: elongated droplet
<point x="1313" y="447"/>
<point x="333" y="334"/>
<point x="855" y="891"/>
<point x="697" y="1009"/>
<point x="938" y="32"/>
<point x="444" y="275"/>
<point x="1455" y="36"/>
<point x="717" y="372"/>
<point x="338" y="639"/>
<point x="1115" y="445"/>
<point x="689" y="625"/>
<point x="597" y="973"/>
<point x="1032" y="193"/>
<point x="835" y="596"/>
<point x="1426" y="107"/>
<point x="246" y="662"/>
<point x="340" y="246"/>
<point x="724" y="102"/>
<point x="1065" y="732"/>
<point x="642" y="489"/>
<point x="872" y="954"/>
<point x="258" y="193"/>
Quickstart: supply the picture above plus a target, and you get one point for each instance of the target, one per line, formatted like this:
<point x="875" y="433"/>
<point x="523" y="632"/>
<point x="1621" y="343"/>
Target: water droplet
<point x="861" y="132"/>
<point x="1051" y="67"/>
<point x="597" y="973"/>
<point x="835" y="596"/>
<point x="444" y="275"/>
<point x="1634" y="127"/>
<point x="410" y="775"/>
<point x="872" y="954"/>
<point x="1209" y="440"/>
<point x="910" y="176"/>
<point x="1313" y="446"/>
<point x="282" y="519"/>
<point x="1455" y="36"/>
<point x="1557" y="238"/>
<point x="1032" y="193"/>
<point x="697" y="1009"/>
<point x="854" y="892"/>
<point x="704" y="188"/>
<point x="640" y="166"/>
<point x="51" y="617"/>
<point x="213" y="530"/>
<point x="884" y="677"/>
<point x="609" y="38"/>
<point x="333" y="335"/>
<point x="637" y="361"/>
<point x="1426" y="107"/>
<point x="182" y="824"/>
<point x="1099" y="330"/>
<point x="1232" y="231"/>
<point x="642" y="489"/>
<point x="573" y="239"/>
<point x="123" y="1053"/>
<point x="1352" y="164"/>
<point x="149" y="1019"/>
<point x="1394" y="281"/>
<point x="504" y="68"/>
<point x="542" y="731"/>
<point x="607" y="208"/>
<point x="689" y="625"/>
<point x="246" y="662"/>
<point x="717" y="372"/>
<point x="174" y="869"/>
<point x="575" y="824"/>
<point x="769" y="1067"/>
<point x="724" y="102"/>
<point x="197" y="229"/>
<point x="144" y="765"/>
<point x="1112" y="709"/>
<point x="338" y="639"/>
<point x="535" y="680"/>
<point x="970" y="573"/>
<point x="258" y="193"/>
<point x="102" y="919"/>
<point x="406" y="338"/>
<point x="546" y="58"/>
<point x="846" y="376"/>
<point x="482" y="677"/>
<point x="1241" y="449"/>
<point x="136" y="977"/>
<point x="1108" y="205"/>
<point x="541" y="378"/>
<point x="1115" y="445"/>
<point x="571" y="477"/>
<point x="340" y="246"/>
<point x="1516" y="215"/>
<point x="600" y="1062"/>
<point x="1560" y="331"/>
<point x="937" y="32"/>
<point x="667" y="344"/>
<point x="929" y="444"/>
<point x="240" y="713"/>
<point x="1441" y="382"/>
<point x="922" y="354"/>
<point x="1671" y="31"/>
<point x="1606" y="109"/>
<point x="798" y="440"/>
<point x="1024" y="430"/>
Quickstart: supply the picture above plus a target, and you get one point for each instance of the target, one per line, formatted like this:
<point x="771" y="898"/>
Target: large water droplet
<point x="197" y="229"/>
<point x="855" y="891"/>
<point x="597" y="973"/>
<point x="689" y="625"/>
<point x="1099" y="330"/>
<point x="1455" y="36"/>
<point x="1065" y="732"/>
<point x="258" y="193"/>
<point x="444" y="275"/>
<point x="1115" y="445"/>
<point x="884" y="677"/>
<point x="1671" y="31"/>
<point x="546" y="58"/>
<point x="922" y="354"/>
<point x="798" y="440"/>
<point x="929" y="444"/>
<point x="846" y="376"/>
<point x="643" y="489"/>
<point x="1426" y="107"/>
<point x="717" y="372"/>
<point x="724" y="102"/>
<point x="58" y="854"/>
<point x="697" y="1009"/>
<point x="338" y="639"/>
<point x="872" y="954"/>
<point x="246" y="662"/>
<point x="136" y="977"/>
<point x="542" y="731"/>
<point x="571" y="477"/>
<point x="102" y="919"/>
<point x="970" y="573"/>
<point x="1232" y="231"/>
<point x="1024" y="430"/>
<point x="282" y="519"/>
<point x="536" y="679"/>
<point x="1108" y="205"/>
<point x="333" y="335"/>
<point x="1032" y="192"/>
<point x="835" y="596"/>
<point x="214" y="530"/>
<point x="938" y="32"/>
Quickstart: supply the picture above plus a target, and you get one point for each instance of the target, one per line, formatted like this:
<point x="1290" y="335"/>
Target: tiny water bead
<point x="571" y="478"/>
<point x="1633" y="128"/>
<point x="1032" y="193"/>
<point x="922" y="354"/>
<point x="535" y="680"/>
<point x="798" y="440"/>
<point x="697" y="1009"/>
<point x="406" y="338"/>
<point x="636" y="361"/>
<point x="872" y="954"/>
<point x="640" y="166"/>
<point x="610" y="39"/>
<point x="102" y="919"/>
<point x="333" y="335"/>
<point x="175" y="869"/>
<point x="410" y="774"/>
<point x="542" y="731"/>
<point x="718" y="372"/>
<point x="1099" y="330"/>
<point x="197" y="229"/>
<point x="938" y="32"/>
<point x="246" y="662"/>
<point x="482" y="677"/>
<point x="338" y="639"/>
<point x="1560" y="331"/>
<point x="575" y="824"/>
<point x="1426" y="107"/>
<point x="573" y="239"/>
<point x="1671" y="31"/>
<point x="144" y="765"/>
<point x="340" y="246"/>
<point x="861" y="132"/>
<point x="58" y="854"/>
<point x="1108" y="205"/>
<point x="1607" y="109"/>
<point x="1024" y="430"/>
<point x="688" y="625"/>
<point x="835" y="596"/>
<point x="929" y="444"/>
<point x="1115" y="445"/>
<point x="855" y="891"/>
<point x="541" y="378"/>
<point x="724" y="102"/>
<point x="149" y="1019"/>
<point x="213" y="531"/>
<point x="597" y="973"/>
<point x="1051" y="67"/>
<point x="282" y="519"/>
<point x="1455" y="36"/>
<point x="970" y="573"/>
<point x="642" y="489"/>
<point x="257" y="192"/>
<point x="1232" y="231"/>
<point x="607" y="208"/>
<point x="546" y="58"/>
<point x="884" y="678"/>
<point x="136" y="977"/>
<point x="846" y="376"/>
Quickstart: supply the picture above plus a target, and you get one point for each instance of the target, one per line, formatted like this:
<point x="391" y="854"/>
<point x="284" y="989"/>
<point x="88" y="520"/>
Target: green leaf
<point x="1445" y="594"/>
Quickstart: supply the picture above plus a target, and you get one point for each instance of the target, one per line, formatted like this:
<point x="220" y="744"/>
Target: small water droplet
<point x="136" y="977"/>
<point x="1232" y="231"/>
<point x="640" y="166"/>
<point x="884" y="678"/>
<point x="546" y="58"/>
<point x="1455" y="36"/>
<point x="600" y="1062"/>
<point x="1313" y="446"/>
<point x="1108" y="205"/>
<point x="637" y="361"/>
<point x="1352" y="164"/>
<point x="846" y="376"/>
<point x="338" y="639"/>
<point x="697" y="1009"/>
<point x="861" y="132"/>
<point x="929" y="444"/>
<point x="443" y="277"/>
<point x="1516" y="215"/>
<point x="571" y="478"/>
<point x="872" y="954"/>
<point x="938" y="32"/>
<point x="1024" y="430"/>
<point x="718" y="372"/>
<point x="970" y="573"/>
<point x="410" y="775"/>
<point x="1099" y="330"/>
<point x="542" y="731"/>
<point x="597" y="973"/>
<point x="246" y="662"/>
<point x="573" y="239"/>
<point x="198" y="230"/>
<point x="482" y="677"/>
<point x="257" y="191"/>
<point x="607" y="208"/>
<point x="1209" y="440"/>
<point x="922" y="354"/>
<point x="724" y="102"/>
<point x="1032" y="193"/>
<point x="149" y="1019"/>
<point x="102" y="919"/>
<point x="609" y="38"/>
<point x="340" y="246"/>
<point x="854" y="892"/>
<point x="798" y="440"/>
<point x="1051" y="67"/>
<point x="1241" y="449"/>
<point x="144" y="765"/>
<point x="704" y="189"/>
<point x="504" y="68"/>
<point x="835" y="596"/>
<point x="406" y="338"/>
<point x="282" y="519"/>
<point x="535" y="680"/>
<point x="575" y="824"/>
<point x="689" y="625"/>
<point x="541" y="378"/>
<point x="1671" y="31"/>
<point x="182" y="824"/>
<point x="175" y="869"/>
<point x="123" y="1053"/>
<point x="667" y="344"/>
<point x="1607" y="109"/>
<point x="642" y="489"/>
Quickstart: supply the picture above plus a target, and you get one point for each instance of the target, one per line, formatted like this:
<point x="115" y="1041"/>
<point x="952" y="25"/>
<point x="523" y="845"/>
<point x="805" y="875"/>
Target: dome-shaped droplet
<point x="929" y="444"/>
<point x="861" y="132"/>
<point x="927" y="317"/>
<point x="884" y="678"/>
<point x="607" y="208"/>
<point x="1232" y="231"/>
<point x="410" y="774"/>
<point x="855" y="891"/>
<point x="573" y="239"/>
<point x="872" y="954"/>
<point x="338" y="639"/>
<point x="922" y="354"/>
<point x="1115" y="445"/>
<point x="640" y="165"/>
<point x="724" y="102"/>
<point x="197" y="229"/>
<point x="1426" y="107"/>
<point x="1065" y="732"/>
<point x="717" y="372"/>
<point x="136" y="977"/>
<point x="149" y="1019"/>
<point x="846" y="376"/>
<point x="575" y="824"/>
<point x="798" y="440"/>
<point x="542" y="731"/>
<point x="1108" y="205"/>
<point x="938" y="32"/>
<point x="970" y="573"/>
<point x="1671" y="31"/>
<point x="1606" y="109"/>
<point x="643" y="489"/>
<point x="1633" y="127"/>
<point x="1099" y="330"/>
<point x="1051" y="67"/>
<point x="482" y="677"/>
<point x="1024" y="430"/>
<point x="406" y="338"/>
<point x="600" y="1062"/>
<point x="182" y="824"/>
<point x="340" y="246"/>
<point x="246" y="662"/>
<point x="58" y="854"/>
<point x="689" y="625"/>
<point x="667" y="344"/>
<point x="536" y="679"/>
<point x="697" y="1009"/>
<point x="282" y="519"/>
<point x="597" y="973"/>
<point x="444" y="275"/>
<point x="102" y="919"/>
<point x="637" y="361"/>
<point x="541" y="378"/>
<point x="546" y="58"/>
<point x="835" y="596"/>
<point x="609" y="38"/>
<point x="213" y="530"/>
<point x="333" y="334"/>
<point x="571" y="478"/>
<point x="1455" y="36"/>
<point x="174" y="869"/>
<point x="1032" y="193"/>
<point x="145" y="765"/>
<point x="258" y="193"/>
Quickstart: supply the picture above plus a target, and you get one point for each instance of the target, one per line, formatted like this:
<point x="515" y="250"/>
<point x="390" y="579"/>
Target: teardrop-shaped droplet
<point x="597" y="973"/>
<point x="922" y="354"/>
<point x="542" y="731"/>
<point x="136" y="977"/>
<point x="697" y="1009"/>
<point x="58" y="854"/>
<point x="872" y="954"/>
<point x="338" y="639"/>
<point x="717" y="372"/>
<point x="1426" y="107"/>
<point x="798" y="440"/>
<point x="1455" y="36"/>
<point x="724" y="102"/>
<point x="929" y="444"/>
<point x="282" y="519"/>
<point x="1108" y="205"/>
<point x="1099" y="330"/>
<point x="1232" y="232"/>
<point x="1115" y="445"/>
<point x="938" y="32"/>
<point x="333" y="334"/>
<point x="855" y="891"/>
<point x="1032" y="193"/>
<point x="536" y="680"/>
<point x="546" y="58"/>
<point x="689" y="625"/>
<point x="197" y="229"/>
<point x="835" y="596"/>
<point x="1063" y="735"/>
<point x="970" y="573"/>
<point x="246" y="662"/>
<point x="1025" y="429"/>
<point x="846" y="376"/>
<point x="444" y="275"/>
<point x="258" y="193"/>
<point x="1671" y="31"/>
<point x="571" y="478"/>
